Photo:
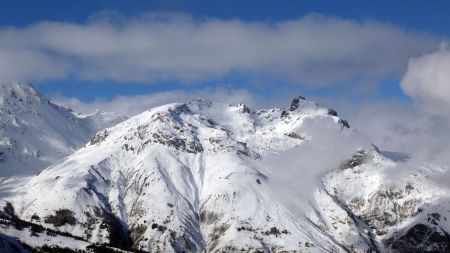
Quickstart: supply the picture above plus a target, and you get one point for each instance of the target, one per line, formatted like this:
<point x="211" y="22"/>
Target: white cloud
<point x="428" y="80"/>
<point x="402" y="127"/>
<point x="133" y="105"/>
<point x="26" y="64"/>
<point x="414" y="136"/>
<point x="168" y="46"/>
<point x="295" y="174"/>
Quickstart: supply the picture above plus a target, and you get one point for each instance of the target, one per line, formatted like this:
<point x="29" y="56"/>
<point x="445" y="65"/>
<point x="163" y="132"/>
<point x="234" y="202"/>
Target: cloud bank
<point x="428" y="80"/>
<point x="405" y="128"/>
<point x="295" y="174"/>
<point x="313" y="49"/>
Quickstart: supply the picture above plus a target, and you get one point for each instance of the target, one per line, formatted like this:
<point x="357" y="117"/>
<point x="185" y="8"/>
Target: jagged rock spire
<point x="296" y="103"/>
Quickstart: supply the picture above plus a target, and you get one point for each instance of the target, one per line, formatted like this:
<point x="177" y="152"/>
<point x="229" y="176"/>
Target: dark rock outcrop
<point x="296" y="103"/>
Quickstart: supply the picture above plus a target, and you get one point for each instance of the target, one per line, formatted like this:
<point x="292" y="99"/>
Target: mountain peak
<point x="200" y="103"/>
<point x="15" y="93"/>
<point x="209" y="177"/>
<point x="35" y="132"/>
<point x="194" y="159"/>
<point x="296" y="103"/>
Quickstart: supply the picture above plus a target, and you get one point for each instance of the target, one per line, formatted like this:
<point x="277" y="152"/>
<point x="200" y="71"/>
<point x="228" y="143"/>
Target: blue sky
<point x="417" y="17"/>
<point x="429" y="16"/>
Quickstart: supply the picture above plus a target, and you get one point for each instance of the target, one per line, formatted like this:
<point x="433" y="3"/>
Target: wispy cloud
<point x="132" y="105"/>
<point x="313" y="49"/>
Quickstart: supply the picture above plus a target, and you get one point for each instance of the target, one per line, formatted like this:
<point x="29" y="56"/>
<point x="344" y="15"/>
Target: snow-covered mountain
<point x="207" y="177"/>
<point x="35" y="133"/>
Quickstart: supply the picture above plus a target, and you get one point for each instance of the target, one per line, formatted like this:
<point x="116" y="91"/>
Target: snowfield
<point x="35" y="133"/>
<point x="208" y="177"/>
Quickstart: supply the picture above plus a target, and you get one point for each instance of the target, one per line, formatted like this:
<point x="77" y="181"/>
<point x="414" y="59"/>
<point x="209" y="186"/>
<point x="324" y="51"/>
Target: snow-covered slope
<point x="206" y="177"/>
<point x="400" y="212"/>
<point x="35" y="133"/>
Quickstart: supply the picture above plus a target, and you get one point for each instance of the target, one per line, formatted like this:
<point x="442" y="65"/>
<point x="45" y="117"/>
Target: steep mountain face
<point x="35" y="133"/>
<point x="392" y="211"/>
<point x="206" y="177"/>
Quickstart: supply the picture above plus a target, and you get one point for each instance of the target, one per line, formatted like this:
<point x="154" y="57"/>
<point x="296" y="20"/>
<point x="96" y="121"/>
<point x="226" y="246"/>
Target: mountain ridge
<point x="34" y="132"/>
<point x="208" y="177"/>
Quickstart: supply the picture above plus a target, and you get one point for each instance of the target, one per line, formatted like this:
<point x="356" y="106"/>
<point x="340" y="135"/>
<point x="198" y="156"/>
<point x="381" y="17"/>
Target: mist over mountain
<point x="208" y="177"/>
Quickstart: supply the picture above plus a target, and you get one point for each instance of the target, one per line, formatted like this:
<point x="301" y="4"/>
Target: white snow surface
<point x="35" y="133"/>
<point x="207" y="177"/>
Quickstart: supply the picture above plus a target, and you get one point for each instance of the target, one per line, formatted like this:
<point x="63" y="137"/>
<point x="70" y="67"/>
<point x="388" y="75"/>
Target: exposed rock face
<point x="359" y="158"/>
<point x="421" y="238"/>
<point x="344" y="123"/>
<point x="332" y="112"/>
<point x="296" y="103"/>
<point x="400" y="216"/>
